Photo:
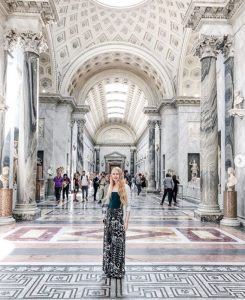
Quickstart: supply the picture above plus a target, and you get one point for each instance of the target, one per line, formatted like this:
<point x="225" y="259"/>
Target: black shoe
<point x="161" y="203"/>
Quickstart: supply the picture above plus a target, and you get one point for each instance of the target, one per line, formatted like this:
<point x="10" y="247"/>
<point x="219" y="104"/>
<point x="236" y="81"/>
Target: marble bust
<point x="231" y="180"/>
<point x="238" y="100"/>
<point x="4" y="177"/>
<point x="50" y="171"/>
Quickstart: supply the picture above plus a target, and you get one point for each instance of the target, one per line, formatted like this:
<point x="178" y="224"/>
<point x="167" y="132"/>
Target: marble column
<point x="228" y="52"/>
<point x="151" y="158"/>
<point x="80" y="146"/>
<point x="132" y="161"/>
<point x="208" y="209"/>
<point x="159" y="124"/>
<point x="26" y="207"/>
<point x="97" y="159"/>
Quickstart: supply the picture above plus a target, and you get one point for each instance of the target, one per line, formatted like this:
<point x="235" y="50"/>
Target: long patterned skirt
<point x="114" y="244"/>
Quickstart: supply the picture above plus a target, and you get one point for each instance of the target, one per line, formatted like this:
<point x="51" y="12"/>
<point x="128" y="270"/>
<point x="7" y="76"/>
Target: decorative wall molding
<point x="200" y="10"/>
<point x="46" y="9"/>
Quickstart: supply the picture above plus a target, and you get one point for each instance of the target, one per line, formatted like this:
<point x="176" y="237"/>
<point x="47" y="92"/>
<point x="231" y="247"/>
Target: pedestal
<point x="230" y="209"/>
<point x="50" y="190"/>
<point x="6" y="199"/>
<point x="39" y="190"/>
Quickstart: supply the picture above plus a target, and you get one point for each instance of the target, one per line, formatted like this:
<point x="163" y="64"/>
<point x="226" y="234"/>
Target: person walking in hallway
<point x="65" y="186"/>
<point x="84" y="184"/>
<point x="168" y="185"/>
<point x="95" y="185"/>
<point x="115" y="225"/>
<point x="58" y="180"/>
<point x="175" y="189"/>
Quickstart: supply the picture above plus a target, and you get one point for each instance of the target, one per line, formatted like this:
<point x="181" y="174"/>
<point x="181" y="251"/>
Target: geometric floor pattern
<point x="169" y="254"/>
<point x="140" y="282"/>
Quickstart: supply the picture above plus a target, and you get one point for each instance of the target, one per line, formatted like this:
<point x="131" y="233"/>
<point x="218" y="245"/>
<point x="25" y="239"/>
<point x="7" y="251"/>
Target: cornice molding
<point x="46" y="9"/>
<point x="60" y="100"/>
<point x="212" y="9"/>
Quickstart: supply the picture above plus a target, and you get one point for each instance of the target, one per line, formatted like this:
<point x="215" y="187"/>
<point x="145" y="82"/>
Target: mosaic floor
<point x="169" y="254"/>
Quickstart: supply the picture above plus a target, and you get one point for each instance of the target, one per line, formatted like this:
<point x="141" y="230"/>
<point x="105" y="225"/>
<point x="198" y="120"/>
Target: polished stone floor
<point x="169" y="255"/>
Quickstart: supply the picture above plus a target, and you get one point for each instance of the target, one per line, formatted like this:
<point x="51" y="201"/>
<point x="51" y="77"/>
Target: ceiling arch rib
<point x="122" y="57"/>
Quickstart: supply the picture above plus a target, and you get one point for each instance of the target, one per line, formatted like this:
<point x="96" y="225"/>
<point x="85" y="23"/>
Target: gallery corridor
<point x="169" y="255"/>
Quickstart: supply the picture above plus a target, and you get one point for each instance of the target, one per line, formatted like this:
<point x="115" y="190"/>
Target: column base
<point x="230" y="222"/>
<point x="6" y="220"/>
<point x="208" y="216"/>
<point x="25" y="212"/>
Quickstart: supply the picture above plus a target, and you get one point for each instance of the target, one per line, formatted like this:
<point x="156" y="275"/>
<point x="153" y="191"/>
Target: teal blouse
<point x="115" y="200"/>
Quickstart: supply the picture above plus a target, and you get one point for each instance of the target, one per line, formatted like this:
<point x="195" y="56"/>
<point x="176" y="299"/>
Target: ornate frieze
<point x="198" y="11"/>
<point x="28" y="40"/>
<point x="46" y="9"/>
<point x="208" y="46"/>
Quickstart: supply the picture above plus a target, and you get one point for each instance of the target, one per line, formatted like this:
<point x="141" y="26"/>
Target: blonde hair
<point x="121" y="187"/>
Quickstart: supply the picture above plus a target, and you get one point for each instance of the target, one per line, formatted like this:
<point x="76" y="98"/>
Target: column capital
<point x="227" y="47"/>
<point x="81" y="123"/>
<point x="30" y="41"/>
<point x="208" y="46"/>
<point x="151" y="123"/>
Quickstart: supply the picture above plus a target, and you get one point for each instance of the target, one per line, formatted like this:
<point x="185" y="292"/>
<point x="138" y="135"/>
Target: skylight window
<point x="116" y="96"/>
<point x="121" y="3"/>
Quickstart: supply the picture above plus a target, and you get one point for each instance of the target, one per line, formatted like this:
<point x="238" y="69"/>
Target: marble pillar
<point x="132" y="162"/>
<point x="159" y="124"/>
<point x="80" y="146"/>
<point x="26" y="207"/>
<point x="97" y="159"/>
<point x="151" y="158"/>
<point x="229" y="99"/>
<point x="209" y="209"/>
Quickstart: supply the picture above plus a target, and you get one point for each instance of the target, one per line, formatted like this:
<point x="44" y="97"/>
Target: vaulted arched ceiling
<point x="145" y="39"/>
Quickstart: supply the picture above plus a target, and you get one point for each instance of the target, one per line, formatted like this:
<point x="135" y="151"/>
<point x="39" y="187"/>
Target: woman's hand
<point x="126" y="226"/>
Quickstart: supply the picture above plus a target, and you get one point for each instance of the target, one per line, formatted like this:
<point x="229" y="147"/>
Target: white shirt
<point x="84" y="180"/>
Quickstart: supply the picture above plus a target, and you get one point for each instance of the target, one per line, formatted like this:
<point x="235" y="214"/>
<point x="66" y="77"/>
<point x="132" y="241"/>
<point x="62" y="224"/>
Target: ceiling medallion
<point x="121" y="3"/>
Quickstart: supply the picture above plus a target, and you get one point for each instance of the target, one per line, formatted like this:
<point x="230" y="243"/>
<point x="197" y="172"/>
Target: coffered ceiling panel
<point x="154" y="25"/>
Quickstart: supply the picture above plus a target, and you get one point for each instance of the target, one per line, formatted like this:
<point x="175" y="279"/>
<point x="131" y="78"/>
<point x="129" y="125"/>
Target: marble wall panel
<point x="89" y="163"/>
<point x="56" y="140"/>
<point x="188" y="137"/>
<point x="170" y="138"/>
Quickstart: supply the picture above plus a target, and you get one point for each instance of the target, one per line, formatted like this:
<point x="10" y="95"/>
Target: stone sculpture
<point x="231" y="180"/>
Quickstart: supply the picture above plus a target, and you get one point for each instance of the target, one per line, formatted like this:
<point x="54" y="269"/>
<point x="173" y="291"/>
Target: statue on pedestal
<point x="231" y="180"/>
<point x="194" y="170"/>
<point x="238" y="109"/>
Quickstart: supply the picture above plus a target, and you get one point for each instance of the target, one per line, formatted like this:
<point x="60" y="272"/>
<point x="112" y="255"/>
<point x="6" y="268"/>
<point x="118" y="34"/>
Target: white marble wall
<point x="57" y="134"/>
<point x="187" y="138"/>
<point x="239" y="75"/>
<point x="142" y="152"/>
<point x="88" y="156"/>
<point x="169" y="120"/>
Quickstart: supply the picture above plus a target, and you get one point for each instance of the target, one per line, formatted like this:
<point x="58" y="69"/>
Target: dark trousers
<point x="57" y="193"/>
<point x="175" y="195"/>
<point x="170" y="194"/>
<point x="95" y="191"/>
<point x="138" y="187"/>
<point x="65" y="192"/>
<point x="85" y="189"/>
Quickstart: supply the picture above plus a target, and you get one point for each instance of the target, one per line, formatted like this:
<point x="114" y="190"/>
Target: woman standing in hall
<point x="116" y="224"/>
